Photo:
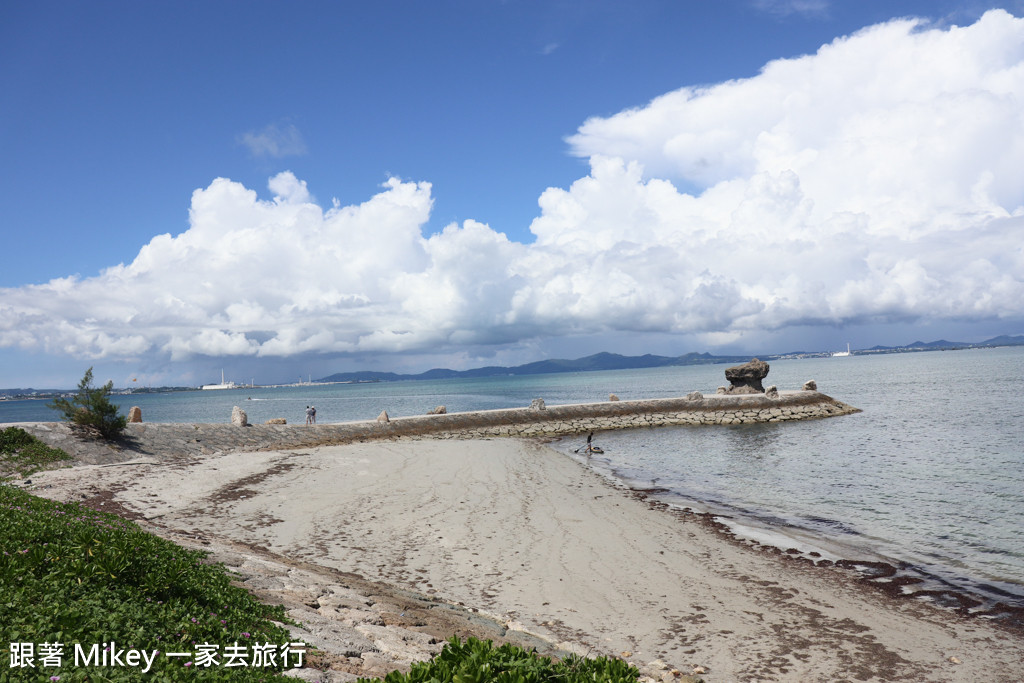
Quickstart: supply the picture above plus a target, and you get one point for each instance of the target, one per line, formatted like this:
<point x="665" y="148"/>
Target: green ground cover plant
<point x="23" y="454"/>
<point x="73" y="576"/>
<point x="91" y="408"/>
<point x="477" y="661"/>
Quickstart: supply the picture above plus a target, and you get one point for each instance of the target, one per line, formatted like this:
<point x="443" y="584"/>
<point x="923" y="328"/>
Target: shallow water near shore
<point x="929" y="475"/>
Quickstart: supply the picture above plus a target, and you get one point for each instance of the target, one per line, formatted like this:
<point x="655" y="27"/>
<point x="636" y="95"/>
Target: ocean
<point x="929" y="477"/>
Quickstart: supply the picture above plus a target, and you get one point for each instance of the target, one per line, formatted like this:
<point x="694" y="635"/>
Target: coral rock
<point x="746" y="378"/>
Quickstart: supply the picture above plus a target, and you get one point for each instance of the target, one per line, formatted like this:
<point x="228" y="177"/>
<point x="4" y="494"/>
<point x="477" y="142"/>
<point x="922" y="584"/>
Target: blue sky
<point x="303" y="188"/>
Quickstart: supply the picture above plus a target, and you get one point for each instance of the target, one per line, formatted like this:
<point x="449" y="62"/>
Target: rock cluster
<point x="537" y="404"/>
<point x="658" y="670"/>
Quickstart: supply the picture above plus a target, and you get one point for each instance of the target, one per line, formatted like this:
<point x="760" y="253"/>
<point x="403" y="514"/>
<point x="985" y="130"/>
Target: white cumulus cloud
<point x="876" y="181"/>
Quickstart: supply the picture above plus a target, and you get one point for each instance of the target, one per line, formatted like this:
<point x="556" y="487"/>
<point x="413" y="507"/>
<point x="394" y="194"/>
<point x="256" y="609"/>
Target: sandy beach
<point x="547" y="547"/>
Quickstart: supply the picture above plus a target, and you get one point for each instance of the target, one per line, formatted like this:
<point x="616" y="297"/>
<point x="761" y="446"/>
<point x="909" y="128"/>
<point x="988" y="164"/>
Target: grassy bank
<point x="22" y="454"/>
<point x="476" y="661"/>
<point x="72" y="578"/>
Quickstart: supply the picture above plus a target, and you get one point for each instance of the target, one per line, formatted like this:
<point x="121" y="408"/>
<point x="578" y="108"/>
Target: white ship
<point x="222" y="385"/>
<point x="837" y="354"/>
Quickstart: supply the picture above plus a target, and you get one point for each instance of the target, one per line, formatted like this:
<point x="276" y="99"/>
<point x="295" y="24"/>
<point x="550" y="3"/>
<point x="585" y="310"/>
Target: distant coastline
<point x="614" y="361"/>
<point x="595" y="362"/>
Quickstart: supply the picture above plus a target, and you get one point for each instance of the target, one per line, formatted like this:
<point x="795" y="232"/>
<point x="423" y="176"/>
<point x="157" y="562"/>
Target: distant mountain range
<point x="614" y="361"/>
<point x="1002" y="340"/>
<point x="598" y="361"/>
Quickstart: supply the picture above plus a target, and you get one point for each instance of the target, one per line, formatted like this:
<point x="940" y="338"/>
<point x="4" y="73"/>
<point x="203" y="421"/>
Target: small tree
<point x="90" y="407"/>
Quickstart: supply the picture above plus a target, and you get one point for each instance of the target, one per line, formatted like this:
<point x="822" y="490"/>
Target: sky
<point x="285" y="190"/>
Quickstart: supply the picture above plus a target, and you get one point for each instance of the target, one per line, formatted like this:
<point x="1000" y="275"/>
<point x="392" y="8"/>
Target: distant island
<point x="598" y="361"/>
<point x="614" y="361"/>
<point x="30" y="393"/>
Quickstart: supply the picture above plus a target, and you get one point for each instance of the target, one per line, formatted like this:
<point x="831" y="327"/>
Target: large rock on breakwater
<point x="746" y="378"/>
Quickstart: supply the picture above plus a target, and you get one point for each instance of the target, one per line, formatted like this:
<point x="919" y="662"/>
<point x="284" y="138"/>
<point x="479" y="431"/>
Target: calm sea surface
<point x="931" y="474"/>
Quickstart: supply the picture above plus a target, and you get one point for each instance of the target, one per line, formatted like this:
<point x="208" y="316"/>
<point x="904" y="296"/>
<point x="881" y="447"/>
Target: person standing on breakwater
<point x="309" y="415"/>
<point x="314" y="414"/>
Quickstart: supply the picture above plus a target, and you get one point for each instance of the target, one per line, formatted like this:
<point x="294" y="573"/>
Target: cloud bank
<point x="875" y="181"/>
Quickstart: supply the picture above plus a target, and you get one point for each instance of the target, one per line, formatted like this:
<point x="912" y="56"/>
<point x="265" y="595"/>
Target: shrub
<point x="91" y="407"/>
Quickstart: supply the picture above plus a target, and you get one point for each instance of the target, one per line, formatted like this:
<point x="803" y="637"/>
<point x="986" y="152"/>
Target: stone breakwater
<point x="696" y="409"/>
<point x="159" y="439"/>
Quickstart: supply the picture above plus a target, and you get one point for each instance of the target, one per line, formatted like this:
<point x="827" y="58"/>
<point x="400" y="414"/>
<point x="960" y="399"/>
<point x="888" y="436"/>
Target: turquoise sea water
<point x="930" y="475"/>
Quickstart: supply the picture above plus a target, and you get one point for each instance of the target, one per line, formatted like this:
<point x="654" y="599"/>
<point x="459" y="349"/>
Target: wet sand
<point x="518" y="531"/>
